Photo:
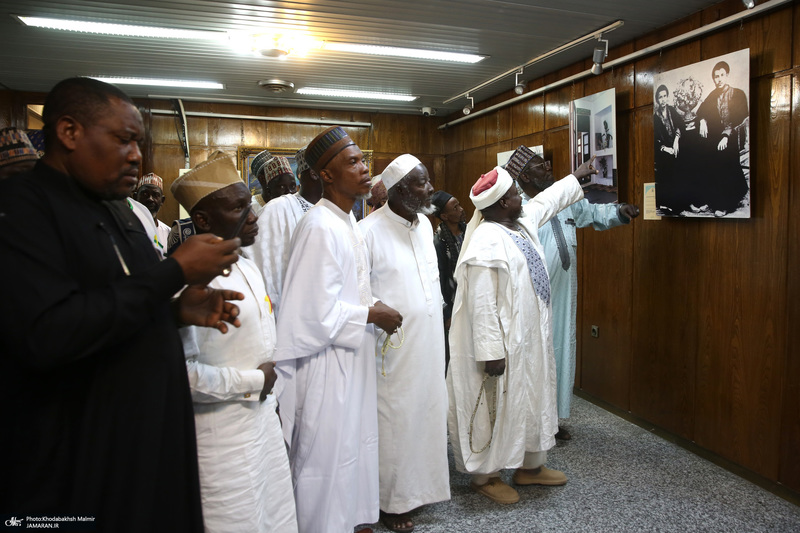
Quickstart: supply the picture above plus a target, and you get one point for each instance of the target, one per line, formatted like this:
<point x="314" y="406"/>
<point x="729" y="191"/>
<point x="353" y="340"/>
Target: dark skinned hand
<point x="495" y="368"/>
<point x="384" y="317"/>
<point x="270" y="376"/>
<point x="585" y="171"/>
<point x="204" y="257"/>
<point x="629" y="210"/>
<point x="199" y="305"/>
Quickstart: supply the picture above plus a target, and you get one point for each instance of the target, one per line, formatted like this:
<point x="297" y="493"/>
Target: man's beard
<point x="415" y="205"/>
<point x="361" y="197"/>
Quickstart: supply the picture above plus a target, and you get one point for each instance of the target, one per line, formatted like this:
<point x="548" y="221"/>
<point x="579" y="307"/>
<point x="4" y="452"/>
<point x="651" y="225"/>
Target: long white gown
<point x="497" y="314"/>
<point x="326" y="353"/>
<point x="412" y="397"/>
<point x="245" y="480"/>
<point x="276" y="225"/>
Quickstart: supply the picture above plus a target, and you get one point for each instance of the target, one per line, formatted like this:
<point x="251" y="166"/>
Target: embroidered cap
<point x="521" y="157"/>
<point x="325" y="146"/>
<point x="151" y="179"/>
<point x="257" y="165"/>
<point x="15" y="146"/>
<point x="300" y="158"/>
<point x="276" y="167"/>
<point x="216" y="173"/>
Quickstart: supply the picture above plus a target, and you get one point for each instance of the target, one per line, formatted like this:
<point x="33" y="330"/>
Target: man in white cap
<point x="501" y="379"/>
<point x="326" y="349"/>
<point x="560" y="244"/>
<point x="150" y="193"/>
<point x="412" y="396"/>
<point x="245" y="480"/>
<point x="276" y="226"/>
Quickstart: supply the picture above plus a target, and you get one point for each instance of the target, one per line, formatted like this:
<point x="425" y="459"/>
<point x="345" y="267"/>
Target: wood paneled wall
<point x="388" y="137"/>
<point x="695" y="315"/>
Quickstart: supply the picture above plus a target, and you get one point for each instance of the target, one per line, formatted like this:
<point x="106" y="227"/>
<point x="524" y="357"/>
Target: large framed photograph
<point x="245" y="155"/>
<point x="593" y="131"/>
<point x="701" y="131"/>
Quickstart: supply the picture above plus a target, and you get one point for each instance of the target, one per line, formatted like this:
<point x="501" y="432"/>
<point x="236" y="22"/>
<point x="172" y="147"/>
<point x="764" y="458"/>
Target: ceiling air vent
<point x="276" y="86"/>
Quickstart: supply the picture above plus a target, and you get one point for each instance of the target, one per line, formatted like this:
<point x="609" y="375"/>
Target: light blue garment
<point x="564" y="284"/>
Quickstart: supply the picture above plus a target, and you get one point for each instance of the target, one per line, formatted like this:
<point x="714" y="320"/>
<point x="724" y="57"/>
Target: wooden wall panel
<point x="765" y="36"/>
<point x="605" y="271"/>
<point x="463" y="169"/>
<point x="789" y="473"/>
<point x="647" y="67"/>
<point x="527" y="117"/>
<point x="621" y="79"/>
<point x="664" y="331"/>
<point x="742" y="306"/>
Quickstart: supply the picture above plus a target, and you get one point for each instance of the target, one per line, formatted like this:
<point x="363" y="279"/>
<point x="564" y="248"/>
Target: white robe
<point x="162" y="233"/>
<point x="412" y="397"/>
<point x="497" y="314"/>
<point x="276" y="225"/>
<point x="325" y="353"/>
<point x="245" y="480"/>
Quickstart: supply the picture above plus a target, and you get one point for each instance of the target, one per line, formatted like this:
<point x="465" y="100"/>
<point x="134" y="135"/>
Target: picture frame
<point x="245" y="155"/>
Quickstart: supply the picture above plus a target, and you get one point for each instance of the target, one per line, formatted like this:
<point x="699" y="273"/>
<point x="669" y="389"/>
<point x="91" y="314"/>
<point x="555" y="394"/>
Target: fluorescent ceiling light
<point x="402" y="52"/>
<point x="121" y="29"/>
<point x="162" y="83"/>
<point x="366" y="95"/>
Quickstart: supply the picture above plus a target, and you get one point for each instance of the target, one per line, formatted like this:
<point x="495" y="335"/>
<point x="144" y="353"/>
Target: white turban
<point x="490" y="187"/>
<point x="399" y="169"/>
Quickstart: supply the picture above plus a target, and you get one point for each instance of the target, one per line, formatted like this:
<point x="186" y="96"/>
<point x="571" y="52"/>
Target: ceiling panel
<point x="510" y="33"/>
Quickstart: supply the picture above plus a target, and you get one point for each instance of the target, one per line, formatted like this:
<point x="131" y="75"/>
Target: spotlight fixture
<point x="599" y="55"/>
<point x="470" y="106"/>
<point x="749" y="4"/>
<point x="519" y="88"/>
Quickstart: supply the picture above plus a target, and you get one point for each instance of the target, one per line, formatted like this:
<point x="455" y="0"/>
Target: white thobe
<point x="245" y="480"/>
<point x="326" y="353"/>
<point x="412" y="396"/>
<point x="276" y="225"/>
<point x="497" y="314"/>
<point x="146" y="218"/>
<point x="162" y="233"/>
<point x="564" y="284"/>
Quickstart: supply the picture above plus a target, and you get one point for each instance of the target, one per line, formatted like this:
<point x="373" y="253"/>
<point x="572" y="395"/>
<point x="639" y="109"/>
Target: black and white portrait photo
<point x="701" y="130"/>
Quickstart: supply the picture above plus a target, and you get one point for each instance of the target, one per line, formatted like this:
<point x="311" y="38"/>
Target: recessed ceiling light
<point x="162" y="83"/>
<point x="121" y="29"/>
<point x="402" y="52"/>
<point x="365" y="95"/>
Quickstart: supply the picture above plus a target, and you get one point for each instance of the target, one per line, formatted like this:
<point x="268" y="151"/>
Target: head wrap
<point x="15" y="147"/>
<point x="216" y="173"/>
<point x="521" y="157"/>
<point x="440" y="199"/>
<point x="277" y="166"/>
<point x="399" y="169"/>
<point x="257" y="165"/>
<point x="151" y="179"/>
<point x="376" y="179"/>
<point x="325" y="146"/>
<point x="490" y="187"/>
<point x="300" y="158"/>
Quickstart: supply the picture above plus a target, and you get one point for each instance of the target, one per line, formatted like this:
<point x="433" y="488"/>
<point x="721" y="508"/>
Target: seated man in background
<point x="245" y="482"/>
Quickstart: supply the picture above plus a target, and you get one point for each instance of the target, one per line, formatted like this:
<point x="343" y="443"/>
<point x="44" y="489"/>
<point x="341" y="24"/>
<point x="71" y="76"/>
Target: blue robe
<point x="564" y="284"/>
